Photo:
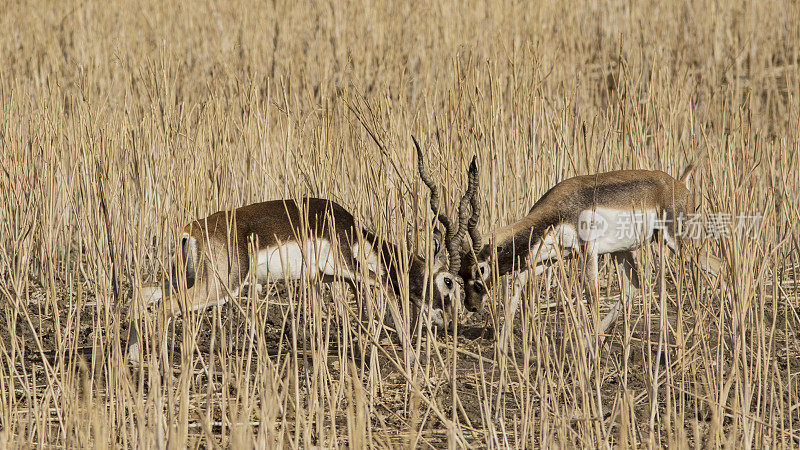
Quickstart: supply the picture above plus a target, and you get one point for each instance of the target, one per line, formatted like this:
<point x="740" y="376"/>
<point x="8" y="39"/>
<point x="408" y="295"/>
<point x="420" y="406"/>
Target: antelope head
<point x="474" y="269"/>
<point x="450" y="267"/>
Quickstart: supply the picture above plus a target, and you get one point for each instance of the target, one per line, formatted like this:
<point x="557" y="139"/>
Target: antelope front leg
<point x="171" y="308"/>
<point x="629" y="287"/>
<point x="134" y="339"/>
<point x="133" y="349"/>
<point x="519" y="282"/>
<point x="590" y="268"/>
<point x="519" y="285"/>
<point x="149" y="293"/>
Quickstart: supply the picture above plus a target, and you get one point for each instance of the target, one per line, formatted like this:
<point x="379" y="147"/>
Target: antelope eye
<point x="448" y="283"/>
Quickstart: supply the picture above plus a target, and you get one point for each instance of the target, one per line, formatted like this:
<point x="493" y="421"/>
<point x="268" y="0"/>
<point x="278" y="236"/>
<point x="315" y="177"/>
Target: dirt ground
<point x="476" y="363"/>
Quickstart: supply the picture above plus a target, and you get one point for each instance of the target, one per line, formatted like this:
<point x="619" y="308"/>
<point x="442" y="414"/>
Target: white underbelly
<point x="290" y="261"/>
<point x="611" y="230"/>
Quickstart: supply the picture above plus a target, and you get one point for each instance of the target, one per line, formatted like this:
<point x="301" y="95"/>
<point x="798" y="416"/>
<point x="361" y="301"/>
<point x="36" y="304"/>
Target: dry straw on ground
<point x="168" y="111"/>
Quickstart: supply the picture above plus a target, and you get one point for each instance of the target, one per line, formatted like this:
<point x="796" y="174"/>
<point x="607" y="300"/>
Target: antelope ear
<point x="438" y="248"/>
<point x="686" y="177"/>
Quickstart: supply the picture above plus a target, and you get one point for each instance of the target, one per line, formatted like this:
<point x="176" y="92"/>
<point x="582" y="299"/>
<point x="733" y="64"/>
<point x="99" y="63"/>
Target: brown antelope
<point x="316" y="237"/>
<point x="583" y="216"/>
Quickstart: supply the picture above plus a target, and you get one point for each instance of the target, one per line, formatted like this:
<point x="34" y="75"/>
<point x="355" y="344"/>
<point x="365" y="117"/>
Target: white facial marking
<point x="483" y="270"/>
<point x="442" y="280"/>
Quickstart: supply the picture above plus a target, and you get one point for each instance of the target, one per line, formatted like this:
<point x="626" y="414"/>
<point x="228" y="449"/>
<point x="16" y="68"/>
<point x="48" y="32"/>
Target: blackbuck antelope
<point x="467" y="220"/>
<point x="316" y="237"/>
<point x="585" y="216"/>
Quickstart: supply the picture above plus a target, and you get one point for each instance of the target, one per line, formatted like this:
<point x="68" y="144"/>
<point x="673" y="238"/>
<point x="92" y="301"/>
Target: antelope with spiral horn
<point x="286" y="239"/>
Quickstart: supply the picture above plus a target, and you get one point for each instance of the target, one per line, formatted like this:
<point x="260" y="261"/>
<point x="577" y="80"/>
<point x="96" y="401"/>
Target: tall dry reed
<point x="166" y="112"/>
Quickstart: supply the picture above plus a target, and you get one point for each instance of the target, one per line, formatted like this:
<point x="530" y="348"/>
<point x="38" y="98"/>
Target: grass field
<point x="122" y="121"/>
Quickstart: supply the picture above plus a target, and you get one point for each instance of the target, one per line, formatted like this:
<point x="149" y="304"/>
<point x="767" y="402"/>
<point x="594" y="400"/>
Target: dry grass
<point x="172" y="110"/>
